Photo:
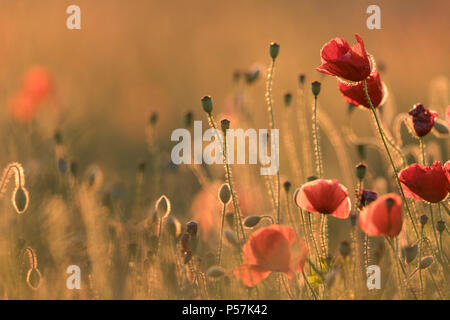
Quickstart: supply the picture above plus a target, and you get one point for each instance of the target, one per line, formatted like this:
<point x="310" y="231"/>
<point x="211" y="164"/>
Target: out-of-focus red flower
<point x="431" y="183"/>
<point x="271" y="249"/>
<point x="36" y="87"/>
<point x="355" y="95"/>
<point x="339" y="59"/>
<point x="37" y="83"/>
<point x="383" y="216"/>
<point x="324" y="196"/>
<point x="367" y="195"/>
<point x="423" y="119"/>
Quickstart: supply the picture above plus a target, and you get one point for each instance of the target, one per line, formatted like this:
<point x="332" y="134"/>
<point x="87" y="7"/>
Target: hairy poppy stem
<point x="422" y="150"/>
<point x="272" y="126"/>
<point x="221" y="234"/>
<point x="317" y="151"/>
<point x="380" y="130"/>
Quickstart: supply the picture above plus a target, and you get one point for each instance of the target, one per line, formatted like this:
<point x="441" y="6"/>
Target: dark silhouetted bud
<point x="287" y="99"/>
<point x="361" y="149"/>
<point x="153" y="118"/>
<point x="361" y="171"/>
<point x="252" y="221"/>
<point x="301" y="78"/>
<point x="225" y="125"/>
<point x="74" y="168"/>
<point x="207" y="104"/>
<point x="191" y="228"/>
<point x="58" y="137"/>
<point x="141" y="165"/>
<point x="311" y="178"/>
<point x="188" y="118"/>
<point x="229" y="217"/>
<point x="225" y="193"/>
<point x="274" y="50"/>
<point x="315" y="88"/>
<point x="344" y="249"/>
<point x="440" y="226"/>
<point x="410" y="253"/>
<point x="423" y="220"/>
<point x="62" y="165"/>
<point x="426" y="262"/>
<point x="287" y="186"/>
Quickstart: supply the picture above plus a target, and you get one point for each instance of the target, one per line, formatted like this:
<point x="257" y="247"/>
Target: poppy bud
<point x="225" y="124"/>
<point x="74" y="168"/>
<point x="287" y="99"/>
<point x="62" y="165"/>
<point x="191" y="228"/>
<point x="141" y="165"/>
<point x="409" y="253"/>
<point x="231" y="238"/>
<point x="188" y="118"/>
<point x="20" y="199"/>
<point x="274" y="50"/>
<point x="153" y="118"/>
<point x="423" y="220"/>
<point x="229" y="217"/>
<point x="58" y="137"/>
<point x="173" y="226"/>
<point x="361" y="149"/>
<point x="287" y="186"/>
<point x="301" y="78"/>
<point x="361" y="171"/>
<point x="315" y="87"/>
<point x="215" y="272"/>
<point x="225" y="193"/>
<point x="252" y="75"/>
<point x="344" y="249"/>
<point x="441" y="127"/>
<point x="252" y="221"/>
<point x="367" y="196"/>
<point x="426" y="262"/>
<point x="207" y="104"/>
<point x="422" y="119"/>
<point x="440" y="226"/>
<point x="162" y="206"/>
<point x="311" y="178"/>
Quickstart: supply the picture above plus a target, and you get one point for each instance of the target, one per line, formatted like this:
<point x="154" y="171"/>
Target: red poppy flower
<point x="324" y="196"/>
<point x="37" y="83"/>
<point x="423" y="119"/>
<point x="271" y="249"/>
<point x="367" y="195"/>
<point x="22" y="106"/>
<point x="426" y="183"/>
<point x="355" y="95"/>
<point x="338" y="59"/>
<point x="383" y="216"/>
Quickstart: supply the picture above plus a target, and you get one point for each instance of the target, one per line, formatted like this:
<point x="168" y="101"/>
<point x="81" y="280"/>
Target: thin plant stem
<point x="390" y="159"/>
<point x="422" y="150"/>
<point x="315" y="131"/>
<point x="221" y="234"/>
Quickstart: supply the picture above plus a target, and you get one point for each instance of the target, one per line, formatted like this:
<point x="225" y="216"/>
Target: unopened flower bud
<point x="287" y="186"/>
<point x="231" y="238"/>
<point x="311" y="178"/>
<point x="361" y="149"/>
<point x="287" y="99"/>
<point x="162" y="206"/>
<point x="207" y="104"/>
<point x="191" y="228"/>
<point x="141" y="165"/>
<point x="20" y="199"/>
<point x="251" y="221"/>
<point x="153" y="118"/>
<point x="225" y="193"/>
<point x="274" y="50"/>
<point x="426" y="262"/>
<point x="361" y="171"/>
<point x="225" y="125"/>
<point x="440" y="226"/>
<point x="344" y="249"/>
<point x="229" y="217"/>
<point x="215" y="272"/>
<point x="188" y="118"/>
<point x="301" y="79"/>
<point x="410" y="253"/>
<point x="315" y="87"/>
<point x="423" y="220"/>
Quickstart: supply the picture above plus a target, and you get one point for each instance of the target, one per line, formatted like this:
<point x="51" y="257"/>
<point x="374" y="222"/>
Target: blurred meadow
<point x="96" y="151"/>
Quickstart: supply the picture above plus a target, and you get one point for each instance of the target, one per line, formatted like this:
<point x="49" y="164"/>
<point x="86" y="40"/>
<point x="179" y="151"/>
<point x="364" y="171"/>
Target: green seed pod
<point x="225" y="193"/>
<point x="274" y="50"/>
<point x="20" y="199"/>
<point x="315" y="88"/>
<point x="207" y="104"/>
<point x="251" y="221"/>
<point x="215" y="272"/>
<point x="426" y="262"/>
